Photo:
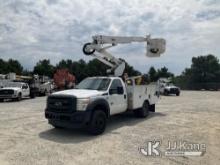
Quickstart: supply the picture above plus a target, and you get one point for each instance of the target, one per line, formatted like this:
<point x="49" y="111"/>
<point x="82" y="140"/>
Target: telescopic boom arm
<point x="155" y="47"/>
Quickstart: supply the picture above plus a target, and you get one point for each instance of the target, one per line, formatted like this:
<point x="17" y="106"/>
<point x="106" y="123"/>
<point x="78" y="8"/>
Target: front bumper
<point x="8" y="96"/>
<point x="173" y="91"/>
<point x="68" y="120"/>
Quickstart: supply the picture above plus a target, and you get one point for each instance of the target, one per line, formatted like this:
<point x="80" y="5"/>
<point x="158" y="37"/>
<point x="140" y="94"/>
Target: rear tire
<point x="47" y="93"/>
<point x="1" y="100"/>
<point x="32" y="95"/>
<point x="144" y="111"/>
<point x="165" y="93"/>
<point x="97" y="124"/>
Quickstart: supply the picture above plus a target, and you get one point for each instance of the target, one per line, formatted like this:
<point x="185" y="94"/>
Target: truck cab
<point x="94" y="100"/>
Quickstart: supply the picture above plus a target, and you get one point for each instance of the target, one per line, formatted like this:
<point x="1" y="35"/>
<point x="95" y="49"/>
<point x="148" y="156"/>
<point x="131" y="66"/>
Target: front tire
<point x="19" y="97"/>
<point x="97" y="124"/>
<point x="166" y="93"/>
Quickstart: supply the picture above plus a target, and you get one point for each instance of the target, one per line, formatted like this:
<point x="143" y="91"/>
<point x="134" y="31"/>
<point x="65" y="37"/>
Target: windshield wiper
<point x="90" y="88"/>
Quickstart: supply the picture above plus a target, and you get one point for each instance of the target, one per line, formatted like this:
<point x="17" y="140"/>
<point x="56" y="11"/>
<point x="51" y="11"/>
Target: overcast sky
<point x="31" y="30"/>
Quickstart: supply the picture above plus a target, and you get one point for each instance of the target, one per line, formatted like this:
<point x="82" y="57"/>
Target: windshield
<point x="94" y="84"/>
<point x="13" y="85"/>
<point x="169" y="84"/>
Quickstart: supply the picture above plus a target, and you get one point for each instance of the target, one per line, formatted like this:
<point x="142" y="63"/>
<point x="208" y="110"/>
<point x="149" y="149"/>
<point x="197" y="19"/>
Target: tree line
<point x="204" y="73"/>
<point x="203" y="70"/>
<point x="10" y="66"/>
<point x="80" y="68"/>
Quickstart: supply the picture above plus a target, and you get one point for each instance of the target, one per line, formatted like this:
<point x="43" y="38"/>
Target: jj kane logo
<point x="174" y="148"/>
<point x="152" y="149"/>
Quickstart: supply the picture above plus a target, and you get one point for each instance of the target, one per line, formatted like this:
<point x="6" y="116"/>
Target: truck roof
<point x="111" y="77"/>
<point x="21" y="83"/>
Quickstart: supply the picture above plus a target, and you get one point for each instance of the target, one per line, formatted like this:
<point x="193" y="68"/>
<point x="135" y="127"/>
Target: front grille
<point x="173" y="90"/>
<point x="61" y="103"/>
<point x="6" y="92"/>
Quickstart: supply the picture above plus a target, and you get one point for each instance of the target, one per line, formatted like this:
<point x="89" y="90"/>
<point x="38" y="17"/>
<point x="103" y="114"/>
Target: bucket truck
<point x="97" y="98"/>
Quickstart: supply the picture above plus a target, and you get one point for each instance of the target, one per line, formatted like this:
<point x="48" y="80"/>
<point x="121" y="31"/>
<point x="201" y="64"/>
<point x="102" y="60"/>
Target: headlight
<point x="82" y="104"/>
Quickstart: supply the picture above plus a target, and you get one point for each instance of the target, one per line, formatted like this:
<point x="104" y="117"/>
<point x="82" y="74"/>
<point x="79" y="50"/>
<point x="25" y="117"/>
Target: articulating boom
<point x="155" y="47"/>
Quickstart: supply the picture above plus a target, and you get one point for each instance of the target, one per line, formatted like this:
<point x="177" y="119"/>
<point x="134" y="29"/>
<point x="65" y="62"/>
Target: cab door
<point x="117" y="97"/>
<point x="25" y="90"/>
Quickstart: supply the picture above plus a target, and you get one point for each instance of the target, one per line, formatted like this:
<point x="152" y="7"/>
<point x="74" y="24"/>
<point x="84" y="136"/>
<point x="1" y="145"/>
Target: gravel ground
<point x="27" y="139"/>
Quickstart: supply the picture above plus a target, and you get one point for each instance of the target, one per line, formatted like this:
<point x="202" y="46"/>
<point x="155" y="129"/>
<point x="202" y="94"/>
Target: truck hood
<point x="80" y="93"/>
<point x="11" y="88"/>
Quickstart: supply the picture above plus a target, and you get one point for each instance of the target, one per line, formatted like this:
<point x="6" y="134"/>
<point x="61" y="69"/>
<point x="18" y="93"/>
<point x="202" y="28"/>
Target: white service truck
<point x="97" y="98"/>
<point x="168" y="88"/>
<point x="15" y="91"/>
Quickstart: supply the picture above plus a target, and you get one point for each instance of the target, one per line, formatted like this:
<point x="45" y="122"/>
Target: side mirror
<point x="120" y="90"/>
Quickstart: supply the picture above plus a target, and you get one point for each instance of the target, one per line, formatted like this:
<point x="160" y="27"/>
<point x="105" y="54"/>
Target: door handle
<point x="125" y="96"/>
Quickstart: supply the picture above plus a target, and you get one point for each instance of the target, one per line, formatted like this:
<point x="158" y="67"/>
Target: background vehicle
<point x="97" y="98"/>
<point x="15" y="91"/>
<point x="167" y="88"/>
<point x="45" y="88"/>
<point x="39" y="85"/>
<point x="63" y="79"/>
